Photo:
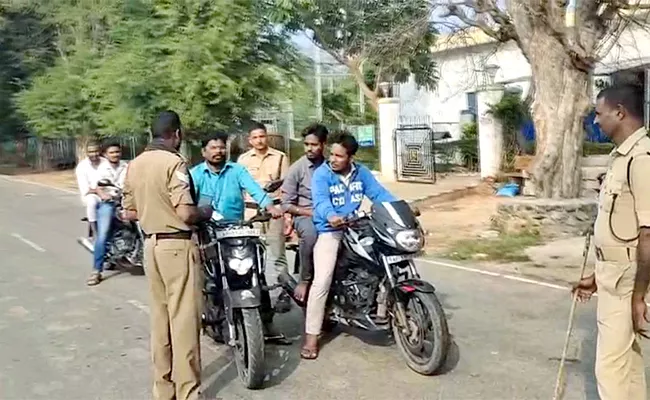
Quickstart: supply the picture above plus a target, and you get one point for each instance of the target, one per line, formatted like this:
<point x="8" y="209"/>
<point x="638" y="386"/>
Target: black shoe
<point x="283" y="304"/>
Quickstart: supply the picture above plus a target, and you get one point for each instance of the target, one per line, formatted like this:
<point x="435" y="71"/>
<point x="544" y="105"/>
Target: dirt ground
<point x="449" y="222"/>
<point x="62" y="179"/>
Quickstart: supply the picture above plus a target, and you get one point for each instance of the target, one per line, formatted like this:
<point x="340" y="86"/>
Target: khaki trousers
<point x="325" y="253"/>
<point x="175" y="280"/>
<point x="620" y="371"/>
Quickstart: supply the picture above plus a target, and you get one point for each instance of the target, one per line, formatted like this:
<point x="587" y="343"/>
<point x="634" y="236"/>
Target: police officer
<point x="158" y="192"/>
<point x="266" y="164"/>
<point x="622" y="246"/>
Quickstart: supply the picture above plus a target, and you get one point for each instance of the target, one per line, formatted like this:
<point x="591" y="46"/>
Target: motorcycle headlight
<point x="410" y="240"/>
<point x="241" y="266"/>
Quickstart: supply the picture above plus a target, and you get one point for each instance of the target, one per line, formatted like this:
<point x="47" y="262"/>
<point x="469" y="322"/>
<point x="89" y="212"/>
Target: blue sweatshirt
<point x="332" y="196"/>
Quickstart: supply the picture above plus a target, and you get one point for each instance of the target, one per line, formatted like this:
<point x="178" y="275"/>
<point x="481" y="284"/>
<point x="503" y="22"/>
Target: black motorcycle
<point x="125" y="246"/>
<point x="376" y="285"/>
<point x="233" y="257"/>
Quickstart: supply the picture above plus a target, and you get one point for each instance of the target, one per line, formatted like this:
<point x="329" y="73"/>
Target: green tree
<point x="26" y="48"/>
<point x="563" y="41"/>
<point x="378" y="40"/>
<point x="122" y="61"/>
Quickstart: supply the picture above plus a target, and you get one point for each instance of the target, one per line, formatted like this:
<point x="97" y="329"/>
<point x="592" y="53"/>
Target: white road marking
<point x="499" y="275"/>
<point x="495" y="274"/>
<point x="29" y="243"/>
<point x="16" y="180"/>
<point x="142" y="307"/>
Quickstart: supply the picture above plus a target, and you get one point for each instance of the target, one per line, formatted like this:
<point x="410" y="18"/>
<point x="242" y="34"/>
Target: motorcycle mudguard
<point x="246" y="298"/>
<point x="414" y="285"/>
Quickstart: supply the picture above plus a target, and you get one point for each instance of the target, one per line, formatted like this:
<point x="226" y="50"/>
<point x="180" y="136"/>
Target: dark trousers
<point x="306" y="230"/>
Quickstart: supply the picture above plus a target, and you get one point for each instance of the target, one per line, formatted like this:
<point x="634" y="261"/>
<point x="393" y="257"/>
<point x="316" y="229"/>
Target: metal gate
<point x="415" y="155"/>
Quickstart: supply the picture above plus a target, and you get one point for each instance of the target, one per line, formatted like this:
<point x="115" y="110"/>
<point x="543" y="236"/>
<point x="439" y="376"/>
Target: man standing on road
<point x="297" y="201"/>
<point x="266" y="164"/>
<point x="220" y="184"/>
<point x="622" y="245"/>
<point x="87" y="173"/>
<point x="158" y="192"/>
<point x="113" y="170"/>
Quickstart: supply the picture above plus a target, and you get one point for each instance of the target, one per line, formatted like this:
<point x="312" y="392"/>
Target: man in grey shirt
<point x="296" y="200"/>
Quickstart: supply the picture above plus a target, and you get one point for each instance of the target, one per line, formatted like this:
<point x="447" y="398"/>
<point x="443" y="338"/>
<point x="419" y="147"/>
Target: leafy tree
<point x="562" y="57"/>
<point x="386" y="40"/>
<point x="124" y="60"/>
<point x="26" y="48"/>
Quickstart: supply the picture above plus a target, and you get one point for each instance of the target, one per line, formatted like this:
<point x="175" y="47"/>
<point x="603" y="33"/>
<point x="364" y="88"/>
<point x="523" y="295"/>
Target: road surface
<point x="62" y="340"/>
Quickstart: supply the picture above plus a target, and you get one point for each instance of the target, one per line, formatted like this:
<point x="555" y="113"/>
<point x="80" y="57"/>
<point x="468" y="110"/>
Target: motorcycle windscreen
<point x="397" y="215"/>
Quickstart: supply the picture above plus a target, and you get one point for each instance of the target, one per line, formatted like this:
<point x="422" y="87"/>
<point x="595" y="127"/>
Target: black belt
<point x="171" y="235"/>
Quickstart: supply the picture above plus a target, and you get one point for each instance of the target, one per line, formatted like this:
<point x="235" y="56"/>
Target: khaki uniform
<point x="272" y="166"/>
<point x="157" y="182"/>
<point x="624" y="207"/>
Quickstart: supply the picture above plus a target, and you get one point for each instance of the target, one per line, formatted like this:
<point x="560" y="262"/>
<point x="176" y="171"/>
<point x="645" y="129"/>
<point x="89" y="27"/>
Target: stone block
<point x="595" y="161"/>
<point x="591" y="173"/>
<point x="551" y="217"/>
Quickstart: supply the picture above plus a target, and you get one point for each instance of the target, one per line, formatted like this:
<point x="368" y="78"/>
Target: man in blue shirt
<point x="221" y="184"/>
<point x="338" y="188"/>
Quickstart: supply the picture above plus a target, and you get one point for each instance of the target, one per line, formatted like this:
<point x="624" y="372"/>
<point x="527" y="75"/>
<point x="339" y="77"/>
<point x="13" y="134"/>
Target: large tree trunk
<point x="562" y="98"/>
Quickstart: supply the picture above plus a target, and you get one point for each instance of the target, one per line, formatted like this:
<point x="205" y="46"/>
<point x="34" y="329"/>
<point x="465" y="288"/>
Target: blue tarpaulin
<point x="592" y="130"/>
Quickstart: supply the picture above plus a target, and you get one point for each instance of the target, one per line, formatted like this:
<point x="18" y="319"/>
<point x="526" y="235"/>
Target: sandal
<point x="308" y="354"/>
<point x="94" y="279"/>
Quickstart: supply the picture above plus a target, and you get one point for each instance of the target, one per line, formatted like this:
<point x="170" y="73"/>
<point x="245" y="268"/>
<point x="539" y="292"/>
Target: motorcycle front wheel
<point x="249" y="347"/>
<point x="426" y="343"/>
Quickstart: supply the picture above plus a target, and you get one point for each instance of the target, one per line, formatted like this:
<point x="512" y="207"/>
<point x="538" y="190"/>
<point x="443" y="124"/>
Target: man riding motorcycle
<point x="338" y="188"/>
<point x="113" y="169"/>
<point x="221" y="183"/>
<point x="297" y="201"/>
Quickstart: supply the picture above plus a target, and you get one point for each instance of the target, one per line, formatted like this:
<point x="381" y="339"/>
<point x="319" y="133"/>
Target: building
<point x="469" y="61"/>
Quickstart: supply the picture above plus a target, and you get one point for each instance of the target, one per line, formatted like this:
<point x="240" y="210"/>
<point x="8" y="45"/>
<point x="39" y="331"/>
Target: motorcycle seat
<point x="292" y="247"/>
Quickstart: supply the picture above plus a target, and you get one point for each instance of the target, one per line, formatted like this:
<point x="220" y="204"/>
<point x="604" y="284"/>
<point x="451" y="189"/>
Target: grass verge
<point x="505" y="247"/>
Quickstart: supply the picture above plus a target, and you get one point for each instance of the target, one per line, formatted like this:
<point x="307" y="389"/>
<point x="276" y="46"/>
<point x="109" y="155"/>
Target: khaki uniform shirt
<point x="157" y="181"/>
<point x="272" y="166"/>
<point x="624" y="208"/>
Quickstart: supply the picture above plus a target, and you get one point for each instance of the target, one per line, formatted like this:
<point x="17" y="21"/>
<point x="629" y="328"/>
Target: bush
<point x="469" y="145"/>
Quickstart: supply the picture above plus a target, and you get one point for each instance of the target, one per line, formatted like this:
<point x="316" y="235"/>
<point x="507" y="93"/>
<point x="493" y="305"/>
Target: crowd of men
<point x="168" y="198"/>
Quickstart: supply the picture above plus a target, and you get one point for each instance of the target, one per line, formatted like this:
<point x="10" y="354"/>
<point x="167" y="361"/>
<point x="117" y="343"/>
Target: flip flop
<point x="308" y="354"/>
<point x="94" y="279"/>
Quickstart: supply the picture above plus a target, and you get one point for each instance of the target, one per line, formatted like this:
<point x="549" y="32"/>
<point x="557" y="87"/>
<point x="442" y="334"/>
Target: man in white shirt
<point x="88" y="174"/>
<point x="112" y="168"/>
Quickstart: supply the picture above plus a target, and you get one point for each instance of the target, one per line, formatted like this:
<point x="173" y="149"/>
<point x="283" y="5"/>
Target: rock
<point x="492" y="234"/>
<point x="551" y="217"/>
<point x="480" y="256"/>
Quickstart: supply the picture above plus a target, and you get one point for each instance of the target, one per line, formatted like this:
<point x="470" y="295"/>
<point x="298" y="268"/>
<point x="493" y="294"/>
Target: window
<point x="472" y="103"/>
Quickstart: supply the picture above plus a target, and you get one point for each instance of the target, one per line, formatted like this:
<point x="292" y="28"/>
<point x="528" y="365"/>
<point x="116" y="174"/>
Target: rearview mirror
<point x="104" y="183"/>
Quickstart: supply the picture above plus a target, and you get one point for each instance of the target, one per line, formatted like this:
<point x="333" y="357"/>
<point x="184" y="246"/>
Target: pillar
<point x="490" y="135"/>
<point x="388" y="120"/>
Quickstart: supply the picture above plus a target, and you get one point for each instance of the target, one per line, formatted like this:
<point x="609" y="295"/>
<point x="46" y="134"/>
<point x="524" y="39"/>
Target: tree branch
<point x="503" y="32"/>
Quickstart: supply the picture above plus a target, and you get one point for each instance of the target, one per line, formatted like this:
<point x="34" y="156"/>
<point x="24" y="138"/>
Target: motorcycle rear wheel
<point x="425" y="348"/>
<point x="249" y="347"/>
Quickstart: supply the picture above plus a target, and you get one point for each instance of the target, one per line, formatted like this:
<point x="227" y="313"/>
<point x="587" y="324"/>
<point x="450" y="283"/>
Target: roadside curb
<point x="445" y="196"/>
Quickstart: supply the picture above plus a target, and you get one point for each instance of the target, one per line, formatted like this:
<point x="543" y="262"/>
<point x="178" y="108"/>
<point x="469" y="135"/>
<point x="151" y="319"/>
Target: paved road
<point x="62" y="340"/>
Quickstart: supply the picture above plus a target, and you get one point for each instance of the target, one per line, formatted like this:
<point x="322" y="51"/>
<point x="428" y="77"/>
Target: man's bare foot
<point x="309" y="350"/>
<point x="301" y="291"/>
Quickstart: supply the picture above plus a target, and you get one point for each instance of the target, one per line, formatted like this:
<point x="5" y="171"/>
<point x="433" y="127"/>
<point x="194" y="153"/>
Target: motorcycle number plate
<point x="244" y="232"/>
<point x="399" y="258"/>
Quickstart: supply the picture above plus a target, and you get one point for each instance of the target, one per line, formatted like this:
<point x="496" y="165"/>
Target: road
<point x="62" y="340"/>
